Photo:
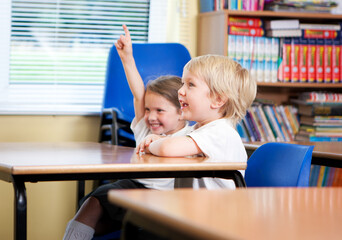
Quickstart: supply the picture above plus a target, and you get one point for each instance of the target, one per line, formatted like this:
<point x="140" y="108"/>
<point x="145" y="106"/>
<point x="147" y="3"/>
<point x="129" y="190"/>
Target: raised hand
<point x="124" y="44"/>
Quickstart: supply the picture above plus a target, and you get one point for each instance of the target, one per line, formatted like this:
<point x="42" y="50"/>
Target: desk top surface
<point x="86" y="157"/>
<point x="332" y="150"/>
<point x="254" y="213"/>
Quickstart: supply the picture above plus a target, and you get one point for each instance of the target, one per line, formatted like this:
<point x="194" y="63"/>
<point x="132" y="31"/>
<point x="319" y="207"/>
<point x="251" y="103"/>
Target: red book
<point x="295" y="60"/>
<point x="336" y="59"/>
<point x="303" y="59"/>
<point x="327" y="60"/>
<point x="246" y="31"/>
<point x="311" y="60"/>
<point x="319" y="60"/>
<point x="244" y="22"/>
<point x="311" y="33"/>
<point x="340" y="56"/>
<point x="286" y="63"/>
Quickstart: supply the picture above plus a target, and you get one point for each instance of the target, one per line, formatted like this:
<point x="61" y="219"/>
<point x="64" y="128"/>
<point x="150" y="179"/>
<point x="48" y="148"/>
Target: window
<point x="54" y="52"/>
<point x="58" y="52"/>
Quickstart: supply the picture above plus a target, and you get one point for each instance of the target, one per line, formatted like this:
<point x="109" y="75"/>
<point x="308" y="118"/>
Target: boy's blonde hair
<point x="228" y="80"/>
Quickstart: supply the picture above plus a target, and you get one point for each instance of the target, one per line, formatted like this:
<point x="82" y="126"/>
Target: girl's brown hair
<point x="166" y="86"/>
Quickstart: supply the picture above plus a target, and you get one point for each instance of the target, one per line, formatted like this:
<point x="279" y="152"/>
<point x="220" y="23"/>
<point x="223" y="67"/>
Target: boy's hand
<point x="124" y="44"/>
<point x="145" y="143"/>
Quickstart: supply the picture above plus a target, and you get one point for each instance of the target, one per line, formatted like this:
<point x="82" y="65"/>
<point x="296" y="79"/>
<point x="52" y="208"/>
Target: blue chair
<point x="279" y="165"/>
<point x="153" y="60"/>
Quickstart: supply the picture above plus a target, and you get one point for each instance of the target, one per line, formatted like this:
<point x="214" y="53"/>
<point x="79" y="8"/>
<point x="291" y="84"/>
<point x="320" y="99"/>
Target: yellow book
<point x="320" y="176"/>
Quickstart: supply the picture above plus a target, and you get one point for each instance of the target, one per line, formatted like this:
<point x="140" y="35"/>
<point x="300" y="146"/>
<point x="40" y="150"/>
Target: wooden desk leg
<point x="20" y="210"/>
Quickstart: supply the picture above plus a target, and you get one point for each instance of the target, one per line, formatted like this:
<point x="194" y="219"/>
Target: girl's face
<point x="195" y="100"/>
<point x="161" y="116"/>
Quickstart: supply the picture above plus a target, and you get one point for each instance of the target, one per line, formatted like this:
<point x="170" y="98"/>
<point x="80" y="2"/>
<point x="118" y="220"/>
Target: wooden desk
<point x="253" y="213"/>
<point x="33" y="162"/>
<point x="324" y="153"/>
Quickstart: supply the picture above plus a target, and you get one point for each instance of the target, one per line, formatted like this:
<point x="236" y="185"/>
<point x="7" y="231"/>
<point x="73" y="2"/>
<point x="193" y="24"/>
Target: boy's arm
<point x="136" y="84"/>
<point x="174" y="147"/>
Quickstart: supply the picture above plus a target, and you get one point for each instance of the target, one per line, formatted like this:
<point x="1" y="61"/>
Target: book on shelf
<point x="324" y="131"/>
<point x="311" y="138"/>
<point x="317" y="26"/>
<point x="284" y="24"/>
<point x="321" y="120"/>
<point x="246" y="31"/>
<point x="283" y="33"/>
<point x="206" y="6"/>
<point x="320" y="33"/>
<point x="322" y="6"/>
<point x="269" y="123"/>
<point x="323" y="176"/>
<point x="245" y="22"/>
<point x="320" y="108"/>
<point x="319" y="97"/>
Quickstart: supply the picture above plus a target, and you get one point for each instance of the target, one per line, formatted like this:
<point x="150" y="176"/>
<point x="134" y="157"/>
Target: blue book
<point x="242" y="132"/>
<point x="314" y="175"/>
<point x="249" y="129"/>
<point x="206" y="5"/>
<point x="324" y="139"/>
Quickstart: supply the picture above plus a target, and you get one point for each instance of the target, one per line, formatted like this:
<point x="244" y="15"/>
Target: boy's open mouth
<point x="183" y="104"/>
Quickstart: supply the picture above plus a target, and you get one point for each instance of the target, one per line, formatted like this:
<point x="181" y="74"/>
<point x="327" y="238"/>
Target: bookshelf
<point x="213" y="39"/>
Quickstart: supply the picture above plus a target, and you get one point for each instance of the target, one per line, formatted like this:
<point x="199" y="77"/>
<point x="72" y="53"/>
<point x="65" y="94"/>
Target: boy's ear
<point x="218" y="102"/>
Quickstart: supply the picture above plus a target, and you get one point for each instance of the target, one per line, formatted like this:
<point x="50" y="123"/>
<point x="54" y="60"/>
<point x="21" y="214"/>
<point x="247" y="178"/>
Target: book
<point x="206" y="6"/>
<point x="244" y="22"/>
<point x="303" y="58"/>
<point x="319" y="34"/>
<point x="314" y="175"/>
<point x="286" y="63"/>
<point x="311" y="60"/>
<point x="321" y="120"/>
<point x="320" y="176"/>
<point x="317" y="26"/>
<point x="336" y="59"/>
<point x="246" y="31"/>
<point x="283" y="33"/>
<point x="320" y="97"/>
<point x="242" y="132"/>
<point x="327" y="64"/>
<point x="319" y="60"/>
<point x="324" y="109"/>
<point x="295" y="59"/>
<point x="250" y="130"/>
<point x="282" y="24"/>
<point x="317" y="138"/>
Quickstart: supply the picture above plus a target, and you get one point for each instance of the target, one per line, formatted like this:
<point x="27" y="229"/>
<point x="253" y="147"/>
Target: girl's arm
<point x="136" y="84"/>
<point x="174" y="147"/>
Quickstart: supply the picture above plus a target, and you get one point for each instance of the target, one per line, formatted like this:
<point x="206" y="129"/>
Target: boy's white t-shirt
<point x="219" y="141"/>
<point x="140" y="131"/>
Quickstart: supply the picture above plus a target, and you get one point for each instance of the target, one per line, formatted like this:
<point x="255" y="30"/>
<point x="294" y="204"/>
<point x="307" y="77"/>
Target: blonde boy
<point x="216" y="93"/>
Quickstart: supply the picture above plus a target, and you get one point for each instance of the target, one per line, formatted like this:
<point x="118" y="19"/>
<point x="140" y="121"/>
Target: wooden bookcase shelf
<point x="213" y="39"/>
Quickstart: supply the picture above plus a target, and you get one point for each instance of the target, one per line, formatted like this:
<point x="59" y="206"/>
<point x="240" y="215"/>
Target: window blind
<point x="59" y="49"/>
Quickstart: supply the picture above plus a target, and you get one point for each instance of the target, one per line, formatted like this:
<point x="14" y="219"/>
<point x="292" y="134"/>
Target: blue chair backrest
<point x="279" y="165"/>
<point x="153" y="60"/>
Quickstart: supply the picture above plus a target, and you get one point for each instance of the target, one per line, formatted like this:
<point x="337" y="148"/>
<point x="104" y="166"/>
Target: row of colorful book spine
<point x="316" y="57"/>
<point x="257" y="54"/>
<point x="216" y="5"/>
<point x="249" y="5"/>
<point x="324" y="176"/>
<point x="248" y="46"/>
<point x="311" y="60"/>
<point x="272" y="123"/>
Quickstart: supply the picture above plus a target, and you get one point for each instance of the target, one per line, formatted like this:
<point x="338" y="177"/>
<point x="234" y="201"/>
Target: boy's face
<point x="195" y="100"/>
<point x="161" y="116"/>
